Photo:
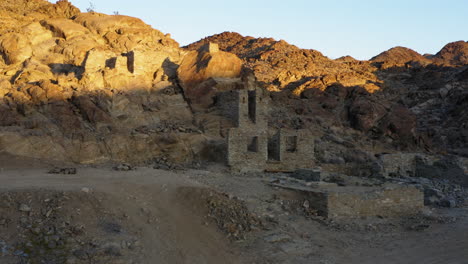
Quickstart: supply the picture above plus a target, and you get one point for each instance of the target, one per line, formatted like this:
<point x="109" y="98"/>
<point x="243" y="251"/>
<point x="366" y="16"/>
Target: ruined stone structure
<point x="344" y="202"/>
<point x="427" y="166"/>
<point x="250" y="146"/>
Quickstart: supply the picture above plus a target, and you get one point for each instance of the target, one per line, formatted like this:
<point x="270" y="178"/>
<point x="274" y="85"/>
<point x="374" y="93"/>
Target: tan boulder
<point x="5" y="87"/>
<point x="37" y="33"/>
<point x="62" y="8"/>
<point x="102" y="23"/>
<point x="15" y="48"/>
<point x="371" y="87"/>
<point x="64" y="28"/>
<point x="53" y="92"/>
<point x="75" y="50"/>
<point x="125" y="34"/>
<point x="207" y="62"/>
<point x="33" y="71"/>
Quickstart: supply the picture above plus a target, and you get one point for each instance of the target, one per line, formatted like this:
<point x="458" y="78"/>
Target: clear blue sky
<point x="360" y="28"/>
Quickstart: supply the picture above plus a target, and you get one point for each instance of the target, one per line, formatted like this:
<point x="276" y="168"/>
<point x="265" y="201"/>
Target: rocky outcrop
<point x="279" y="65"/>
<point x="89" y="87"/>
<point x="399" y="56"/>
<point x="455" y="53"/>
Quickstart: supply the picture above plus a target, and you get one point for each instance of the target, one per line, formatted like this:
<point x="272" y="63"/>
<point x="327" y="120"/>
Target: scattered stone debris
<point x="124" y="167"/>
<point x="54" y="231"/>
<point x="165" y="126"/>
<point x="24" y="208"/>
<point x="308" y="175"/>
<point x="162" y="163"/>
<point x="437" y="192"/>
<point x="231" y="215"/>
<point x="57" y="170"/>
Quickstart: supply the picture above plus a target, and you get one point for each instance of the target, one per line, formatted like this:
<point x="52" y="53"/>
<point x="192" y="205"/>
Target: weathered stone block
<point x="343" y="202"/>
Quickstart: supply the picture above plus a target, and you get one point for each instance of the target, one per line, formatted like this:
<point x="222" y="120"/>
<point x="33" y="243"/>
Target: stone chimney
<point x="209" y="47"/>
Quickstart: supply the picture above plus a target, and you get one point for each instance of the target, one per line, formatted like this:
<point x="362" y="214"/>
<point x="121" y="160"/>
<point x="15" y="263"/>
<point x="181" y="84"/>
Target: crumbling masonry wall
<point x="250" y="147"/>
<point x="290" y="150"/>
<point x="247" y="145"/>
<point x="247" y="149"/>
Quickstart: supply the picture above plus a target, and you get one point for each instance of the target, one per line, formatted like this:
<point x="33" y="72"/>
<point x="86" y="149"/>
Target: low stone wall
<point x="388" y="202"/>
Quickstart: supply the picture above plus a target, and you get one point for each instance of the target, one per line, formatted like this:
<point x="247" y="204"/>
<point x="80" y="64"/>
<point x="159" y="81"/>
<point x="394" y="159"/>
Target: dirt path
<point x="167" y="231"/>
<point x="173" y="229"/>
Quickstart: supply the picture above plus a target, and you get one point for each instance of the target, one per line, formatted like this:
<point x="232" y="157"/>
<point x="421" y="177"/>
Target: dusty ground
<point x="100" y="215"/>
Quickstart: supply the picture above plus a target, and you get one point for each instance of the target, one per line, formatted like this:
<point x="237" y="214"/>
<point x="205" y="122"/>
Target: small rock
<point x="85" y="190"/>
<point x="80" y="254"/>
<point x="112" y="250"/>
<point x="20" y="253"/>
<point x="124" y="167"/>
<point x="36" y="230"/>
<point x="62" y="171"/>
<point x="420" y="227"/>
<point x="447" y="202"/>
<point x="52" y="244"/>
<point x="24" y="208"/>
<point x="71" y="260"/>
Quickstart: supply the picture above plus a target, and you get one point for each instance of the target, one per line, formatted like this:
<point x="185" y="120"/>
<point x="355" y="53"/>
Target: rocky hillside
<point x="278" y="64"/>
<point x="90" y="88"/>
<point x="399" y="99"/>
<point x="455" y="53"/>
<point x="399" y="56"/>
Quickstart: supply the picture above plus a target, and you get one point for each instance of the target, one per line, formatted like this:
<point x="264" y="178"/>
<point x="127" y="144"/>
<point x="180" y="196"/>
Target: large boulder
<point x="205" y="63"/>
<point x="15" y="48"/>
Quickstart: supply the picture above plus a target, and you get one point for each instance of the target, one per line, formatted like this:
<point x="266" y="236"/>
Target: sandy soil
<point x="166" y="213"/>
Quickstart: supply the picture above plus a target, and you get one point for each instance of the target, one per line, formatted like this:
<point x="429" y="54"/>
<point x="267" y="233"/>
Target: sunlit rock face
<point x="88" y="87"/>
<point x="205" y="63"/>
<point x="455" y="53"/>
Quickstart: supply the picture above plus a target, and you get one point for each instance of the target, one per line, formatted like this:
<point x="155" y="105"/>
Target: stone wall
<point x="427" y="166"/>
<point x="228" y="105"/>
<point x="253" y="109"/>
<point x="391" y="201"/>
<point x="284" y="150"/>
<point x="290" y="149"/>
<point x="247" y="149"/>
<point x="401" y="164"/>
<point x="248" y="143"/>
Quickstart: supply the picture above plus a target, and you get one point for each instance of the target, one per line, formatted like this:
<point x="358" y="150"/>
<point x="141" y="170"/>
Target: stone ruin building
<point x="251" y="145"/>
